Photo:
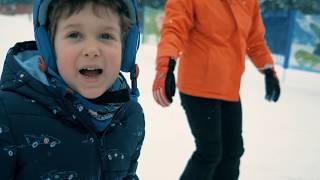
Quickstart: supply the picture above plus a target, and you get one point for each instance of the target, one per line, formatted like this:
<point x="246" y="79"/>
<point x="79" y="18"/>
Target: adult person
<point x="211" y="40"/>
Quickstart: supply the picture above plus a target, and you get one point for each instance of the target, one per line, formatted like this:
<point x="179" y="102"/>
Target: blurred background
<point x="292" y="27"/>
<point x="281" y="139"/>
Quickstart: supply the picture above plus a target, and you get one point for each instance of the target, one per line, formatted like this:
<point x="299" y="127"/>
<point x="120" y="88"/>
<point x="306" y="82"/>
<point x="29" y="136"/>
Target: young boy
<point x="65" y="110"/>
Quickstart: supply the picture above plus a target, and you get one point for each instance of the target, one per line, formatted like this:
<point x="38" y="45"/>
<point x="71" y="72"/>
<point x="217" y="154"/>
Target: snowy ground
<point x="281" y="139"/>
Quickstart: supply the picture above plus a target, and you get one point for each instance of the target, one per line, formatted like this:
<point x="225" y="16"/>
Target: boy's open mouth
<point x="91" y="72"/>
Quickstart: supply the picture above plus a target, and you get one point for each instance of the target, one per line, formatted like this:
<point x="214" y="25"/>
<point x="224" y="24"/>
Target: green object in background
<point x="152" y="24"/>
<point x="305" y="6"/>
<point x="307" y="59"/>
<point x="157" y="4"/>
<point x="8" y="2"/>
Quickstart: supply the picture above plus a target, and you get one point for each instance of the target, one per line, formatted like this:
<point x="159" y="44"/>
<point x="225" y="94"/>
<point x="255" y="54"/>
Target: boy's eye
<point x="74" y="35"/>
<point x="105" y="36"/>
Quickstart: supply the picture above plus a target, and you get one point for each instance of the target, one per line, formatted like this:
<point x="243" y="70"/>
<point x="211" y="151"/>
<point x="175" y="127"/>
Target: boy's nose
<point x="91" y="52"/>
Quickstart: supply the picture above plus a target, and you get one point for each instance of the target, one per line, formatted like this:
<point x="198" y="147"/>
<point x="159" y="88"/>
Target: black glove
<point x="164" y="85"/>
<point x="170" y="82"/>
<point x="272" y="85"/>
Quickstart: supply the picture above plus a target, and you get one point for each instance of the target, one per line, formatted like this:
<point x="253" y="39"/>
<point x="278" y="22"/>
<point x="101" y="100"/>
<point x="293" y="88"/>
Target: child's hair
<point x="65" y="8"/>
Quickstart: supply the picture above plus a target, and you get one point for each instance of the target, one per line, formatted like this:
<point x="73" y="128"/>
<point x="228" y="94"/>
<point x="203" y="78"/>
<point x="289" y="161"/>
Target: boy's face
<point x="88" y="50"/>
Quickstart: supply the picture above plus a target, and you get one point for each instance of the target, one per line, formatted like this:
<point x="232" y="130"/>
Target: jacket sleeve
<point x="7" y="147"/>
<point x="139" y="117"/>
<point x="257" y="48"/>
<point x="178" y="20"/>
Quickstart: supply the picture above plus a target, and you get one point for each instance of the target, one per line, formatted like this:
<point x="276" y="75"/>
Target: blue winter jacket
<point x="46" y="136"/>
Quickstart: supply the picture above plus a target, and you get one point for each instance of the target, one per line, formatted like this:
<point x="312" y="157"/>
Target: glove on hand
<point x="164" y="85"/>
<point x="272" y="85"/>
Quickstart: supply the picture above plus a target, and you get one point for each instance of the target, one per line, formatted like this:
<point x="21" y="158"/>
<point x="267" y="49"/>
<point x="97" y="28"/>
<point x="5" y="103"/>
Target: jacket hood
<point x="22" y="75"/>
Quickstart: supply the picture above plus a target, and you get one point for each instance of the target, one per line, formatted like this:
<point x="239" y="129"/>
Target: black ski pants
<point x="216" y="126"/>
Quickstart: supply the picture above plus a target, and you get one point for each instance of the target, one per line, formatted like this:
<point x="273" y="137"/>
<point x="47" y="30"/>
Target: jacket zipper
<point x="101" y="143"/>
<point x="100" y="140"/>
<point x="100" y="148"/>
<point x="112" y="122"/>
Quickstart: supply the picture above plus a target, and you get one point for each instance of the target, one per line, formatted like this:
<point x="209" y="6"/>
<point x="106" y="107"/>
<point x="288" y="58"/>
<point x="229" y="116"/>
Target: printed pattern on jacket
<point x="44" y="137"/>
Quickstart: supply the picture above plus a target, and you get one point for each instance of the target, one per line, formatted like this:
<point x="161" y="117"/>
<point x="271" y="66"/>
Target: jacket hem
<point x="209" y="94"/>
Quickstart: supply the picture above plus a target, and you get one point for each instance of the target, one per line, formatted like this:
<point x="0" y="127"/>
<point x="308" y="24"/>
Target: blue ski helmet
<point x="131" y="41"/>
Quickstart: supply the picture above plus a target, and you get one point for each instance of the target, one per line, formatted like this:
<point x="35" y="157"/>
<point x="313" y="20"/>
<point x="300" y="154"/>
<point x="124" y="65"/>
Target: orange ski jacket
<point x="211" y="39"/>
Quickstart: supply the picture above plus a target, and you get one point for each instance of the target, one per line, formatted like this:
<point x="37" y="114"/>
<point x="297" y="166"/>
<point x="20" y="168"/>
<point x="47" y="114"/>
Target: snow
<point x="281" y="139"/>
